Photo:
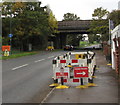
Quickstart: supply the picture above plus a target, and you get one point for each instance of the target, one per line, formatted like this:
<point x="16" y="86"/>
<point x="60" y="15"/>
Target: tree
<point x="74" y="39"/>
<point x="99" y="13"/>
<point x="99" y="25"/>
<point x="115" y="17"/>
<point x="70" y="16"/>
<point x="52" y="20"/>
<point x="31" y="23"/>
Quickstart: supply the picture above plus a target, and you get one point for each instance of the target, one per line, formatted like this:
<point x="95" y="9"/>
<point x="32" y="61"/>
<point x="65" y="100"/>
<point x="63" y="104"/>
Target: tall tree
<point x="115" y="17"/>
<point x="99" y="25"/>
<point x="70" y="16"/>
<point x="30" y="23"/>
<point x="100" y="13"/>
<point x="52" y="20"/>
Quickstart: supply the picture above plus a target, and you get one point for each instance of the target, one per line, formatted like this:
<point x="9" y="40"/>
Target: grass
<point x="16" y="54"/>
<point x="86" y="44"/>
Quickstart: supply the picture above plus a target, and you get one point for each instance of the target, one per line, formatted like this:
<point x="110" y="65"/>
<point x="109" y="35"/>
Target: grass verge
<point x="20" y="54"/>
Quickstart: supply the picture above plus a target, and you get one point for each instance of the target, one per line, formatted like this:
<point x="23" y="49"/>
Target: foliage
<point x="99" y="26"/>
<point x="29" y="23"/>
<point x="74" y="39"/>
<point x="93" y="37"/>
<point x="115" y="17"/>
<point x="83" y="43"/>
<point x="70" y="16"/>
<point x="99" y="13"/>
<point x="52" y="21"/>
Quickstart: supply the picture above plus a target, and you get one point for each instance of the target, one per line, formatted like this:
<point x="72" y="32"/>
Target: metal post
<point x="62" y="81"/>
<point x="81" y="80"/>
<point x="110" y="38"/>
<point x="11" y="30"/>
<point x="11" y="45"/>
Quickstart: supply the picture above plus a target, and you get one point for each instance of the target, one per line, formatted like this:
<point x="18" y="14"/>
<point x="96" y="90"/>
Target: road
<point x="105" y="93"/>
<point x="27" y="79"/>
<point x="94" y="46"/>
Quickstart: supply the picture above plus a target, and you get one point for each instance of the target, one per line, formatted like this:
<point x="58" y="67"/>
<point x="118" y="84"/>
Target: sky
<point x="82" y="8"/>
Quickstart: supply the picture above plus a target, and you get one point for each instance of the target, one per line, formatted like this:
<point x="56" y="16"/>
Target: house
<point x="115" y="48"/>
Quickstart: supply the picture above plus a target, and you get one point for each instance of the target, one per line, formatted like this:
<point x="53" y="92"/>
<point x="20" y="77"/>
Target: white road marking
<point x="39" y="60"/>
<point x="43" y="101"/>
<point x="51" y="57"/>
<point x="19" y="66"/>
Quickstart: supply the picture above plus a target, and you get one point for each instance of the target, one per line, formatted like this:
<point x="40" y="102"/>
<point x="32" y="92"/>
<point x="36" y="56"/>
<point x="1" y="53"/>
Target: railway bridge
<point x="70" y="27"/>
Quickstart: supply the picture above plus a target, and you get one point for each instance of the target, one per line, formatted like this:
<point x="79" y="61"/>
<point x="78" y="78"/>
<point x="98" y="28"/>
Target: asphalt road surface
<point x="94" y="46"/>
<point x="27" y="79"/>
<point x="105" y="93"/>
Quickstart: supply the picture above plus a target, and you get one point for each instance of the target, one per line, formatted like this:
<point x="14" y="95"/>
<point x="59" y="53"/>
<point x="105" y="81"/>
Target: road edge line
<point x="47" y="96"/>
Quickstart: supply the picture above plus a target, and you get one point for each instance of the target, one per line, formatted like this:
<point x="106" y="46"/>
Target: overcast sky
<point x="83" y="8"/>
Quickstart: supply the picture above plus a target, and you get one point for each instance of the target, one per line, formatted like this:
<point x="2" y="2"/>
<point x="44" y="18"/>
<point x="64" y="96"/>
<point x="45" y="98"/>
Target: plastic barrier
<point x="74" y="69"/>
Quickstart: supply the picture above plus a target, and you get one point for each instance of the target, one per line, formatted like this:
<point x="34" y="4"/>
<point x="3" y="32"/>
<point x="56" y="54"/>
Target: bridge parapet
<point x="78" y="26"/>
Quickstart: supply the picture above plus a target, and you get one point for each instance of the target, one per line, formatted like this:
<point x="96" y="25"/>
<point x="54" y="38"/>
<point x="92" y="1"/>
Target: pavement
<point x="105" y="92"/>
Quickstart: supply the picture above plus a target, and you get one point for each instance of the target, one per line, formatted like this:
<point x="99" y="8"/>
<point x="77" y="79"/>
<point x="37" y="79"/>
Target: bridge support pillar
<point x="62" y="40"/>
<point x="57" y="42"/>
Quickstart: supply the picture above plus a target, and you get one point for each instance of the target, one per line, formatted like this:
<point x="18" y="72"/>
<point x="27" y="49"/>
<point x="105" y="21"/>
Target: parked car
<point x="68" y="47"/>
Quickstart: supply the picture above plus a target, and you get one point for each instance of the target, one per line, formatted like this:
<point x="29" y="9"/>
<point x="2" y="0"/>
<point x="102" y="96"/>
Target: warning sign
<point x="80" y="72"/>
<point x="64" y="72"/>
<point x="4" y="48"/>
<point x="59" y="75"/>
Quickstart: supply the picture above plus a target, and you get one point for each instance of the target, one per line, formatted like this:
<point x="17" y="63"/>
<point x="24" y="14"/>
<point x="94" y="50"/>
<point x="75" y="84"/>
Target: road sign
<point x="62" y="72"/>
<point x="80" y="72"/>
<point x="4" y="48"/>
<point x="64" y="75"/>
<point x="10" y="35"/>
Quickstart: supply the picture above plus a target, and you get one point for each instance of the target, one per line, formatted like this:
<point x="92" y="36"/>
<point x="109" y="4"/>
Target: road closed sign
<point x="80" y="72"/>
<point x="62" y="72"/>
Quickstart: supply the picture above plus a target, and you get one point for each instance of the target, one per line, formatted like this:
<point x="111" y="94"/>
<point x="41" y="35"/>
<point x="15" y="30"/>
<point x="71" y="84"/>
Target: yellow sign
<point x="79" y="56"/>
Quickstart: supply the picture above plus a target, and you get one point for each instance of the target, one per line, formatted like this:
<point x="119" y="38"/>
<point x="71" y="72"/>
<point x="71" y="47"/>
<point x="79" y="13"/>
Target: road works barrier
<point x="74" y="69"/>
<point x="6" y="50"/>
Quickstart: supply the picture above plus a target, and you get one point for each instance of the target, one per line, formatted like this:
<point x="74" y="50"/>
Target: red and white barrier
<point x="80" y="68"/>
